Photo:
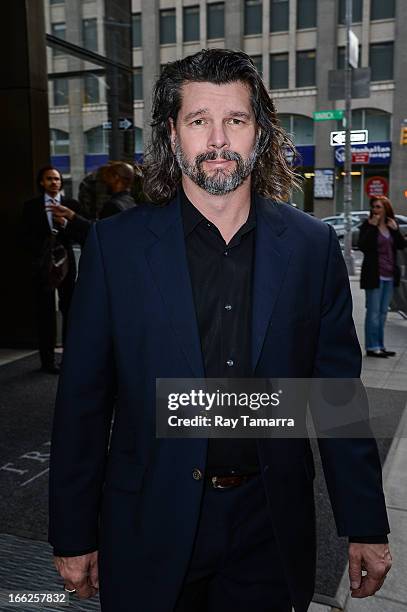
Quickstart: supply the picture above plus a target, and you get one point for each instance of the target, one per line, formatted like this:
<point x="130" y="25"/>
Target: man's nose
<point x="218" y="137"/>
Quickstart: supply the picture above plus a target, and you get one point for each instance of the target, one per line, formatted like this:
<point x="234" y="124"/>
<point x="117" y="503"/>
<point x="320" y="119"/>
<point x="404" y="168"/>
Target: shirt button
<point x="228" y="307"/>
<point x="230" y="363"/>
<point x="226" y="253"/>
<point x="196" y="474"/>
<point x="209" y="224"/>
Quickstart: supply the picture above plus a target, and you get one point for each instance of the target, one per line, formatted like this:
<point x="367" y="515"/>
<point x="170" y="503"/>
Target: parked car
<point x="338" y="223"/>
<point x="401" y="220"/>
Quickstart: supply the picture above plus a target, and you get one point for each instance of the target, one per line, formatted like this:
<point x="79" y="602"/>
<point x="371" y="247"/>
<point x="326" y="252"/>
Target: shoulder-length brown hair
<point x="273" y="176"/>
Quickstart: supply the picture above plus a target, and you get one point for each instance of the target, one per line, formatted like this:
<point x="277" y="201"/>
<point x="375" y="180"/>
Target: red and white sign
<point x="360" y="158"/>
<point x="377" y="186"/>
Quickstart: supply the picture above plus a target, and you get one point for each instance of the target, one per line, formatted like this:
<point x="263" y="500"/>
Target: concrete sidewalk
<point x="390" y="373"/>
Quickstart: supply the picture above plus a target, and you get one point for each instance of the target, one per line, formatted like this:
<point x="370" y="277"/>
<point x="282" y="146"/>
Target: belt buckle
<point x="216" y="484"/>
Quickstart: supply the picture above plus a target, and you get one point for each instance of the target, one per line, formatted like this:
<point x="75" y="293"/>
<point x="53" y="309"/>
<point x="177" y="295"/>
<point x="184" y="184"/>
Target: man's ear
<point x="173" y="133"/>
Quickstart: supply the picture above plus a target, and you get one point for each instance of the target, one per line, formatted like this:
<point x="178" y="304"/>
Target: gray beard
<point x="220" y="182"/>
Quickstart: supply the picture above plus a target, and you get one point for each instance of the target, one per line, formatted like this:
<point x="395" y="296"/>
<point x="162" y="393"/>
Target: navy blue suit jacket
<point x="132" y="320"/>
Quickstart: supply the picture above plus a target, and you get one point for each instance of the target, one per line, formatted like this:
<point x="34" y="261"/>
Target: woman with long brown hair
<point x="379" y="240"/>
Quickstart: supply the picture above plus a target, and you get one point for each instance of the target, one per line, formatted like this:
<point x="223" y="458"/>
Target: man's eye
<point x="198" y="122"/>
<point x="235" y="121"/>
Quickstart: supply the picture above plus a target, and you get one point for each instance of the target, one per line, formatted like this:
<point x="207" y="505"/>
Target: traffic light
<point x="403" y="135"/>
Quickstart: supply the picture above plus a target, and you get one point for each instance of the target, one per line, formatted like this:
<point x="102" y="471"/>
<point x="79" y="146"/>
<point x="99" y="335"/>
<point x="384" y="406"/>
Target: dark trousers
<point x="46" y="317"/>
<point x="235" y="563"/>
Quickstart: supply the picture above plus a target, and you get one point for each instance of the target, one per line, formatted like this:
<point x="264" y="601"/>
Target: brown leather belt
<point x="227" y="482"/>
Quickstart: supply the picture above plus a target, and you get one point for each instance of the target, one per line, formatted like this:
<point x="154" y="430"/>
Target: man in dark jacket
<point x="223" y="280"/>
<point x="38" y="226"/>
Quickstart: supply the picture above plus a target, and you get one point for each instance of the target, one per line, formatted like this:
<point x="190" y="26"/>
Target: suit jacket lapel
<point x="168" y="262"/>
<point x="272" y="254"/>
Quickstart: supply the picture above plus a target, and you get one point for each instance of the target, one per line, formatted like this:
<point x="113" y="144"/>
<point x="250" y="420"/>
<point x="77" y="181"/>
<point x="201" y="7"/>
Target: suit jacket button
<point x="196" y="474"/>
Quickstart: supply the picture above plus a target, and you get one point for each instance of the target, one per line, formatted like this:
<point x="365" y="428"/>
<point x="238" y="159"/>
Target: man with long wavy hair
<point x="219" y="277"/>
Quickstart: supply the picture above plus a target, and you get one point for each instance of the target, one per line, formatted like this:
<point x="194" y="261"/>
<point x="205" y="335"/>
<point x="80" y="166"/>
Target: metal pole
<point x="347" y="200"/>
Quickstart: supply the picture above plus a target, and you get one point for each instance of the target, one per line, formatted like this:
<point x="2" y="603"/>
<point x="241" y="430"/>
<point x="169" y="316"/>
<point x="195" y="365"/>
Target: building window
<point x="258" y="62"/>
<point x="96" y="141"/>
<point x="60" y="92"/>
<point x="59" y="142"/>
<point x="138" y="140"/>
<point x="299" y="127"/>
<point x="340" y="57"/>
<point x="136" y="30"/>
<point x="167" y="27"/>
<point x="90" y="34"/>
<point x="215" y="20"/>
<point x="382" y="9"/>
<point x="253" y="19"/>
<point x="138" y="84"/>
<point x="278" y="15"/>
<point x="306" y="14"/>
<point x="191" y="23"/>
<point x="279" y="71"/>
<point x="357" y="11"/>
<point x="378" y="125"/>
<point x="305" y="68"/>
<point x="91" y="89"/>
<point x="58" y="30"/>
<point x="57" y="2"/>
<point x="381" y="61"/>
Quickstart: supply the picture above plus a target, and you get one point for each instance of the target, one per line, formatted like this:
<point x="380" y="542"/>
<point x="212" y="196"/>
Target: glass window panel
<point x="357" y="10"/>
<point x="306" y="14"/>
<point x="191" y="23"/>
<point x="381" y="61"/>
<point x="167" y="27"/>
<point x="382" y="9"/>
<point x="305" y="68"/>
<point x="278" y="15"/>
<point x="285" y="121"/>
<point x="138" y="140"/>
<point x="91" y="89"/>
<point x="215" y="20"/>
<point x="378" y="125"/>
<point x="138" y="84"/>
<point x="90" y="34"/>
<point x="303" y="129"/>
<point x="253" y="20"/>
<point x="357" y="120"/>
<point x="57" y="1"/>
<point x="279" y="71"/>
<point x="60" y="92"/>
<point x="59" y="142"/>
<point x="258" y="62"/>
<point x="136" y="30"/>
<point x="58" y="30"/>
<point x="96" y="140"/>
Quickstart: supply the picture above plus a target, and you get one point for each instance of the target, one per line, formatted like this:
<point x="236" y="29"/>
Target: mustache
<point x="212" y="155"/>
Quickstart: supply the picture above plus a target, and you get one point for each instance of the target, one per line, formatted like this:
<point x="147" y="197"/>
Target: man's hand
<point x="61" y="213"/>
<point x="375" y="559"/>
<point x="79" y="573"/>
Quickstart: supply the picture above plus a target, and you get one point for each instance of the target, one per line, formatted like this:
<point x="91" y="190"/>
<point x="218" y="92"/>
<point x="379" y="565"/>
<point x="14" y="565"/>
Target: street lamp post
<point x="348" y="149"/>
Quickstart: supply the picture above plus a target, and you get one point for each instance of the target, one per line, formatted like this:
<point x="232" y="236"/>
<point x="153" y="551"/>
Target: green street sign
<point x="328" y="114"/>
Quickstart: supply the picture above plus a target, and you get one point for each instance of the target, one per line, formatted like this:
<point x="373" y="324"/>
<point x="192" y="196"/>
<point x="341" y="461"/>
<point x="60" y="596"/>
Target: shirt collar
<point x="48" y="198"/>
<point x="191" y="216"/>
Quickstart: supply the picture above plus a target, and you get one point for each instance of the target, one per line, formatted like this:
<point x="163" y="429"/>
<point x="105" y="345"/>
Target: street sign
<point x="360" y="158"/>
<point x="328" y="114"/>
<point x="353" y="50"/>
<point x="125" y="123"/>
<point x="377" y="186"/>
<point x="356" y="137"/>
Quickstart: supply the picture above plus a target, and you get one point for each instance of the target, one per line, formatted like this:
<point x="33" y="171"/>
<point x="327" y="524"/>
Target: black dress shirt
<point x="221" y="277"/>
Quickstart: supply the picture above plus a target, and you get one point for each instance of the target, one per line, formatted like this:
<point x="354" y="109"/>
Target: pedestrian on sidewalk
<point x="379" y="239"/>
